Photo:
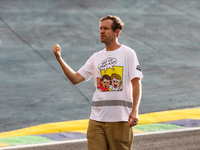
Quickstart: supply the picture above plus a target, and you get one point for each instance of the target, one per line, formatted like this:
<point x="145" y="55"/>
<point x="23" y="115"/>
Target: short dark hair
<point x="107" y="77"/>
<point x="117" y="22"/>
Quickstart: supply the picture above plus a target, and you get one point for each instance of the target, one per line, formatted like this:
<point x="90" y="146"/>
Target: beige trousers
<point x="109" y="136"/>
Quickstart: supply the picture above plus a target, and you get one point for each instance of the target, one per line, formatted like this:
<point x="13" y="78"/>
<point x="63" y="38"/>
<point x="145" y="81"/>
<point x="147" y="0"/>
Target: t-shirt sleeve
<point x="134" y="66"/>
<point x="87" y="69"/>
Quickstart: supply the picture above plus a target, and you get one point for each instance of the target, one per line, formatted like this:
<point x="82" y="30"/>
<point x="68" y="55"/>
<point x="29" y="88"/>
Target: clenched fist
<point x="57" y="51"/>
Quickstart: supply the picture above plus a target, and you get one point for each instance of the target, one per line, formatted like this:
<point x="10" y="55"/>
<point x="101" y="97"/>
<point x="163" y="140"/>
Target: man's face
<point x="106" y="33"/>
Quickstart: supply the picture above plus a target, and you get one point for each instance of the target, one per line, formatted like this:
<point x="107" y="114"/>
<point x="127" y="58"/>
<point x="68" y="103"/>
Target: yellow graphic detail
<point x="116" y="70"/>
<point x="111" y="79"/>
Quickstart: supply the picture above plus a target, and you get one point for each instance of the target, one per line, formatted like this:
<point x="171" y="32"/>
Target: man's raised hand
<point x="57" y="51"/>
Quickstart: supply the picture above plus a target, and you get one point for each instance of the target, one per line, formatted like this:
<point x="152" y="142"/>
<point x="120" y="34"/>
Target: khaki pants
<point x="109" y="136"/>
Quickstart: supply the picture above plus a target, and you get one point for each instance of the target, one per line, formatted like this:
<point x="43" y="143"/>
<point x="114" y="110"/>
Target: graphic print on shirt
<point x="111" y="76"/>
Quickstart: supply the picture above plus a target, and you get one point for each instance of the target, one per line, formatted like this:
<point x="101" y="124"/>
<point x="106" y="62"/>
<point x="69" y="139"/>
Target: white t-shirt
<point x="112" y="72"/>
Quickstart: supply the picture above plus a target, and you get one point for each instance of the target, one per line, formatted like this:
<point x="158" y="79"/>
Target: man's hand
<point x="133" y="118"/>
<point x="57" y="51"/>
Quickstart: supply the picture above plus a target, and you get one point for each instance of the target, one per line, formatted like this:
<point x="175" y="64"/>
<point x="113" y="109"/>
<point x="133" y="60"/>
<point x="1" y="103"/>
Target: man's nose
<point x="102" y="31"/>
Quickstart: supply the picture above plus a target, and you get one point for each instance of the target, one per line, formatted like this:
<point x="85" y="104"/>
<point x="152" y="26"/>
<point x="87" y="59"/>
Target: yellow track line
<point x="82" y="125"/>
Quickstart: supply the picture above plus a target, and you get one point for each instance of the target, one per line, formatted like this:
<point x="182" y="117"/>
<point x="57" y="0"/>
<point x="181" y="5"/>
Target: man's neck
<point x="112" y="46"/>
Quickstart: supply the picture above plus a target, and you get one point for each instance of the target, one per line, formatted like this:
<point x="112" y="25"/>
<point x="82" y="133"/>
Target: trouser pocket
<point x="123" y="132"/>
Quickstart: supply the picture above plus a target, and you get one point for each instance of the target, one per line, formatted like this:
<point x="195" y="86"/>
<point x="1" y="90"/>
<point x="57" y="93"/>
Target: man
<point x="113" y="113"/>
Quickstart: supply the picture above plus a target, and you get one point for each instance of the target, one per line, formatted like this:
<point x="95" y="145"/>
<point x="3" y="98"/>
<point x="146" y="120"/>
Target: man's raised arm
<point x="73" y="76"/>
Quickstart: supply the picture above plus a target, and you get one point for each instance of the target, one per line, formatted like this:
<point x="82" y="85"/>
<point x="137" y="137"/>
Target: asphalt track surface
<point x="164" y="34"/>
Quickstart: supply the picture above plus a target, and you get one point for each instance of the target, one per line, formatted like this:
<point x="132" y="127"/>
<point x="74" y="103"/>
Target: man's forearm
<point x="137" y="92"/>
<point x="70" y="73"/>
<point x="73" y="76"/>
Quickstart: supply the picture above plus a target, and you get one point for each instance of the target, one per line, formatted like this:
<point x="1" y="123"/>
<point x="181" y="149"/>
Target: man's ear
<point x="117" y="32"/>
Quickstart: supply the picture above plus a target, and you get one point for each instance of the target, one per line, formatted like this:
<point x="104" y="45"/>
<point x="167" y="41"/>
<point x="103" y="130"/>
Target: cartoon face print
<point x="110" y="76"/>
<point x="116" y="83"/>
<point x="104" y="83"/>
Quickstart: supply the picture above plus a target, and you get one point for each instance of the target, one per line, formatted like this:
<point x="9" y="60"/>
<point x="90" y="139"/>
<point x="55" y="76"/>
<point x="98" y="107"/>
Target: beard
<point x="107" y="40"/>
